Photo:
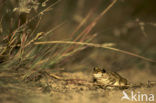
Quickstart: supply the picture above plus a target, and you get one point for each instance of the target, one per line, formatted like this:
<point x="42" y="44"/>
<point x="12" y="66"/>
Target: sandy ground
<point x="51" y="90"/>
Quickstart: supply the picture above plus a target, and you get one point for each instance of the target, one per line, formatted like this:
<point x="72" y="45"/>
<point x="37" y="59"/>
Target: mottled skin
<point x="103" y="77"/>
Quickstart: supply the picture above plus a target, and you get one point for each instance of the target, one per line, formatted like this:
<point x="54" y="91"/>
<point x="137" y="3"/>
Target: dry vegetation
<point x="49" y="47"/>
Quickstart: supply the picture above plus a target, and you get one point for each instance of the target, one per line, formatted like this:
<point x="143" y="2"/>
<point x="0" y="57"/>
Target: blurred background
<point x="129" y="24"/>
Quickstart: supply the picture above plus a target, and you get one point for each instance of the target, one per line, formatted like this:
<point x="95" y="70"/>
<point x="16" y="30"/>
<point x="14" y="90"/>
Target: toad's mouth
<point x="97" y="75"/>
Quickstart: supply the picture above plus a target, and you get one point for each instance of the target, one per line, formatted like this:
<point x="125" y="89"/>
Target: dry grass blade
<point x="82" y="23"/>
<point x="103" y="13"/>
<point x="37" y="25"/>
<point x="1" y="28"/>
<point x="142" y="27"/>
<point x="54" y="28"/>
<point x="61" y="57"/>
<point x="109" y="46"/>
<point x="34" y="39"/>
<point x="41" y="34"/>
<point x="87" y="30"/>
<point x="93" y="23"/>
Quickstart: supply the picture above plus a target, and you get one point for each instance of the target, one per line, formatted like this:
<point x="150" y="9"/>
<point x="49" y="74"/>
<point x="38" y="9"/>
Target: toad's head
<point x="98" y="72"/>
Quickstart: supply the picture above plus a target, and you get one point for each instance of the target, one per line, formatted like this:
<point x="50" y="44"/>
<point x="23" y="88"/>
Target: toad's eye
<point x="103" y="71"/>
<point x="95" y="69"/>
